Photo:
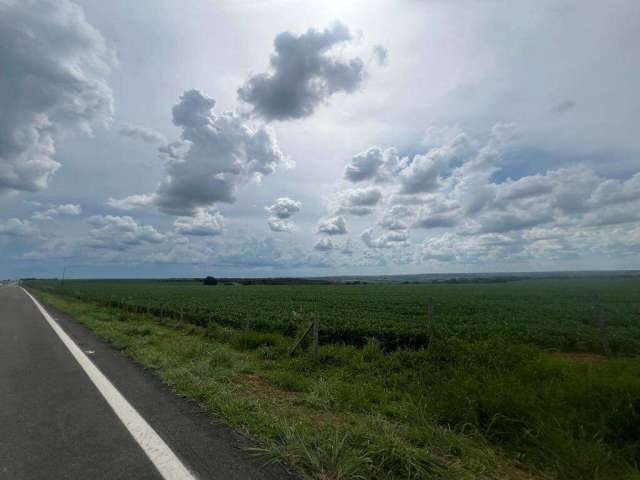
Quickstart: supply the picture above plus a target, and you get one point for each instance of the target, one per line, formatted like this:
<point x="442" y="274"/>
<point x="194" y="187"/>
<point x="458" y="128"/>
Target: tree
<point x="210" y="281"/>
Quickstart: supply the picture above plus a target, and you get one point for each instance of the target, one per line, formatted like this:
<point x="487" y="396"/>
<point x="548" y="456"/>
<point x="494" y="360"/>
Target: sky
<point x="309" y="138"/>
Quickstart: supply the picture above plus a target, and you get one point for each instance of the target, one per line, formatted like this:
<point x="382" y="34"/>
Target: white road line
<point x="167" y="463"/>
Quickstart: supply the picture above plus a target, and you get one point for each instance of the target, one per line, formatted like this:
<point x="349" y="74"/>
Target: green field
<point x="528" y="379"/>
<point x="551" y="313"/>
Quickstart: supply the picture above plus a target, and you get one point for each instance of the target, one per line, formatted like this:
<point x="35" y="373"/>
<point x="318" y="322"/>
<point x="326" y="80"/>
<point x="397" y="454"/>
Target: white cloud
<point x="388" y="239"/>
<point x="333" y="226"/>
<point x="142" y="133"/>
<point x="424" y="172"/>
<point x="14" y="227"/>
<point x="120" y="233"/>
<point x="203" y="223"/>
<point x="278" y="225"/>
<point x="374" y="164"/>
<point x="216" y="154"/>
<point x="68" y="209"/>
<point x="58" y="64"/>
<point x="131" y="202"/>
<point x="398" y="217"/>
<point x="283" y="208"/>
<point x="304" y="74"/>
<point x="359" y="201"/>
<point x="325" y="244"/>
<point x="617" y="191"/>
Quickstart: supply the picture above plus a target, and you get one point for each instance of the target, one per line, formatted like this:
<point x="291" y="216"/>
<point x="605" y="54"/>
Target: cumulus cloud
<point x="398" y="217"/>
<point x="131" y="202"/>
<point x="359" y="201"/>
<point x="424" y="172"/>
<point x="142" y="133"/>
<point x="203" y="223"/>
<point x="389" y="239"/>
<point x="459" y="187"/>
<point x="304" y="73"/>
<point x="216" y="154"/>
<point x="68" y="209"/>
<point x="325" y="244"/>
<point x="436" y="220"/>
<point x="283" y="208"/>
<point x="14" y="227"/>
<point x="615" y="191"/>
<point x="55" y="66"/>
<point x="525" y="187"/>
<point x="506" y="221"/>
<point x="612" y="216"/>
<point x="120" y="233"/>
<point x="374" y="164"/>
<point x="333" y="226"/>
<point x="278" y="225"/>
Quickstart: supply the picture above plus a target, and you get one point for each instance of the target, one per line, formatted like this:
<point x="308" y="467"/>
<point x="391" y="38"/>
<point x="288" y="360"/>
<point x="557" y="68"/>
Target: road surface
<point x="72" y="407"/>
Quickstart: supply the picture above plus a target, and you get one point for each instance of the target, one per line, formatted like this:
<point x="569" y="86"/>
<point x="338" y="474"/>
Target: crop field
<point x="563" y="314"/>
<point x="528" y="379"/>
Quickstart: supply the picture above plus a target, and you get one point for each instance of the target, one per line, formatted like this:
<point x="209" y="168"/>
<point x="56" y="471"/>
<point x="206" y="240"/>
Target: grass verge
<point x="460" y="410"/>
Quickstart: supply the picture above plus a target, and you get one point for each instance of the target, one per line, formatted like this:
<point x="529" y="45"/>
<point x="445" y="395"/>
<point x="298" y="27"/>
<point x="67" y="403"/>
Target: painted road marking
<point x="167" y="463"/>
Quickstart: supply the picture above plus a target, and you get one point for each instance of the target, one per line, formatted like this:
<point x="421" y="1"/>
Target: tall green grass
<point x="462" y="408"/>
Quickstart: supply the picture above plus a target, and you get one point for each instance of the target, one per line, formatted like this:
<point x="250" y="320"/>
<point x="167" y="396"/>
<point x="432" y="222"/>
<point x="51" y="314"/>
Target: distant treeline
<point x="272" y="281"/>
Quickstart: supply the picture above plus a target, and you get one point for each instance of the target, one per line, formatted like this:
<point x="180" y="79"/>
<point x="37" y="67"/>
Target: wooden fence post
<point x="601" y="323"/>
<point x="316" y="336"/>
<point x="299" y="340"/>
<point x="430" y="322"/>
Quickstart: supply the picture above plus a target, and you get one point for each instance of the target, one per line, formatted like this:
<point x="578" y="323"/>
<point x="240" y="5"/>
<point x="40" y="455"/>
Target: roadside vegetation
<point x="497" y="397"/>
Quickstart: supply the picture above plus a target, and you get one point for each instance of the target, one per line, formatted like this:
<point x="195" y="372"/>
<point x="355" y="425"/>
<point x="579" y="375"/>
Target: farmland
<point x="558" y="314"/>
<point x="527" y="379"/>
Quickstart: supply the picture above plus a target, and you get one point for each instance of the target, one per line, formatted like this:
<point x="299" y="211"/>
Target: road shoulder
<point x="210" y="448"/>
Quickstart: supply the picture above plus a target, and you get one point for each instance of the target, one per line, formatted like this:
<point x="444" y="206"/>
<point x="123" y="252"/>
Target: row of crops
<point x="552" y="313"/>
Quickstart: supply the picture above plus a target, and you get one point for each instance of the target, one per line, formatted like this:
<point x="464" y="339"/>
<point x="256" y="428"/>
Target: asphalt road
<point x="56" y="424"/>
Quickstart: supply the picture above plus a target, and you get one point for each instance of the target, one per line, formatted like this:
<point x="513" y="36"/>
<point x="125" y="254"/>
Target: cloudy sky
<point x="284" y="137"/>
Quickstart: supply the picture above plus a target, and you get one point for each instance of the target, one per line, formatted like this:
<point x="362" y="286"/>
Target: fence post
<point x="430" y="322"/>
<point x="601" y="322"/>
<point x="316" y="336"/>
<point x="246" y="333"/>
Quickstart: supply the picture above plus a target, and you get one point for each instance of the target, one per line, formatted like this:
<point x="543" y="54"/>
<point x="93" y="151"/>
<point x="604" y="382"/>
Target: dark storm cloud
<point x="54" y="66"/>
<point x="303" y="74"/>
